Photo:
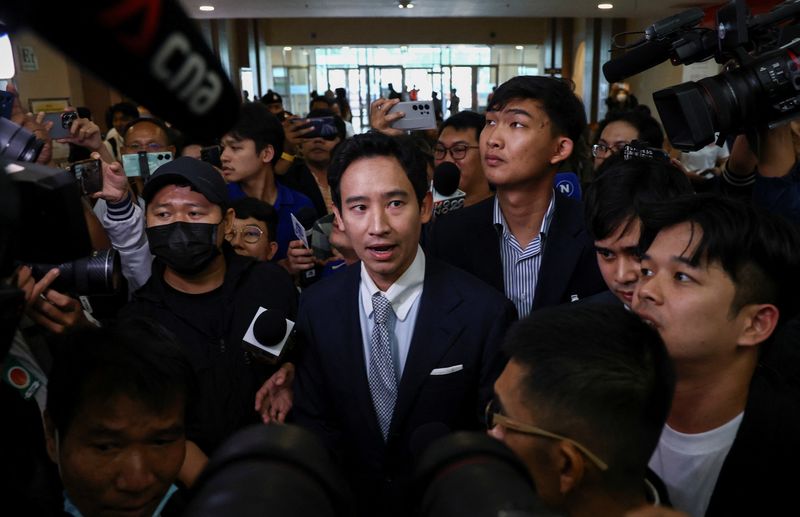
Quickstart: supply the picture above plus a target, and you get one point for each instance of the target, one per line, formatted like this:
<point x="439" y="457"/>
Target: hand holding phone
<point x="418" y="115"/>
<point x="89" y="174"/>
<point x="61" y="123"/>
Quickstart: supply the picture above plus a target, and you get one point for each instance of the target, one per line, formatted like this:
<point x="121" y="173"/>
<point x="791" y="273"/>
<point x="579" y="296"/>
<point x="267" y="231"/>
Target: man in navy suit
<point x="400" y="347"/>
<point x="528" y="241"/>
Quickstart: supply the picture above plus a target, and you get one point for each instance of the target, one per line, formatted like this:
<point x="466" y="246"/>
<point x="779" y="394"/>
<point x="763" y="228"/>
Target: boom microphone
<point x="637" y="60"/>
<point x="446" y="196"/>
<point x="150" y="50"/>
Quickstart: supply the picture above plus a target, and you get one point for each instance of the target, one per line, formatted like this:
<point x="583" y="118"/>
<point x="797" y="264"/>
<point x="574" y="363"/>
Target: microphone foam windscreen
<point x="269" y="328"/>
<point x="446" y="176"/>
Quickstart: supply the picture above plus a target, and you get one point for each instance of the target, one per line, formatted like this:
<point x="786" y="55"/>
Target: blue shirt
<point x="288" y="202"/>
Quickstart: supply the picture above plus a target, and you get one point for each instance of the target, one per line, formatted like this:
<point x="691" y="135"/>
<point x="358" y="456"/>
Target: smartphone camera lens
<point x="414" y="107"/>
<point x="68" y="118"/>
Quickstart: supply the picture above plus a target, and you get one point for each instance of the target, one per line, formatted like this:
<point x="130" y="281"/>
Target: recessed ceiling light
<point x="605" y="6"/>
<point x="519" y="47"/>
<point x="410" y="6"/>
<point x="287" y="49"/>
<point x="206" y="8"/>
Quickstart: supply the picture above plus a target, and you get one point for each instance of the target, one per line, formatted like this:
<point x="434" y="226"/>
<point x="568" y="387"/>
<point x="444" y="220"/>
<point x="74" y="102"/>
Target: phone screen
<point x="89" y="174"/>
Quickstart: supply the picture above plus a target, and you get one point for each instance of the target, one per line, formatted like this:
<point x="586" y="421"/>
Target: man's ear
<point x="267" y="154"/>
<point x="337" y="218"/>
<point x="227" y="220"/>
<point x="426" y="208"/>
<point x="272" y="249"/>
<point x="51" y="440"/>
<point x="563" y="150"/>
<point x="758" y="323"/>
<point x="571" y="466"/>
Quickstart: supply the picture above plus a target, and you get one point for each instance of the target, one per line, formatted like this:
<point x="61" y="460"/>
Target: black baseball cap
<point x="201" y="176"/>
<point x="272" y="98"/>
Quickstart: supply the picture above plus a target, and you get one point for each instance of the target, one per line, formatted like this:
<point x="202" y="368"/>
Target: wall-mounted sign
<point x="27" y="58"/>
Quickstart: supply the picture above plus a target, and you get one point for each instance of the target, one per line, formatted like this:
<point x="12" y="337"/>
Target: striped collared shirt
<point x="521" y="266"/>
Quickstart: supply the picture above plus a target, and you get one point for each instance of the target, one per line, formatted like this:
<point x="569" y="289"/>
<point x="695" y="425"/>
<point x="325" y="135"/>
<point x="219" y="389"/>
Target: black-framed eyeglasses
<point x="600" y="149"/>
<point x="250" y="233"/>
<point x="495" y="418"/>
<point x="458" y="151"/>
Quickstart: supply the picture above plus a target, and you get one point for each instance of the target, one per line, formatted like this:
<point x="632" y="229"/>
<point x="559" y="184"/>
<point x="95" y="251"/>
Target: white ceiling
<point x="651" y="9"/>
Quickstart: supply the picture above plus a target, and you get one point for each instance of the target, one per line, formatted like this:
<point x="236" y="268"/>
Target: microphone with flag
<point x="446" y="195"/>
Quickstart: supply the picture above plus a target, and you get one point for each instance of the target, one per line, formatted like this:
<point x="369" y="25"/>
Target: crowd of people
<point x="636" y="349"/>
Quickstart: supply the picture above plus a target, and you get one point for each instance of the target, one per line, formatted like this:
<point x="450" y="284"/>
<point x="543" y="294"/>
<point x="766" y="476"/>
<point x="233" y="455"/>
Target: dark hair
<point x="170" y="134"/>
<point x="760" y="252"/>
<point x="136" y="357"/>
<point x="258" y="124"/>
<point x="341" y="129"/>
<point x="616" y="194"/>
<point x="126" y="108"/>
<point x="559" y="102"/>
<point x="648" y="127"/>
<point x="259" y="210"/>
<point x="320" y="98"/>
<point x="599" y="375"/>
<point x="465" y="120"/>
<point x="369" y="145"/>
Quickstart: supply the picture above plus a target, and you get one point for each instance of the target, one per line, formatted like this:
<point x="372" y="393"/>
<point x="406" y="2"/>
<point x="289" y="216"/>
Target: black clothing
<point x="301" y="179"/>
<point x="211" y="327"/>
<point x="30" y="483"/>
<point x="759" y="475"/>
<point x="468" y="239"/>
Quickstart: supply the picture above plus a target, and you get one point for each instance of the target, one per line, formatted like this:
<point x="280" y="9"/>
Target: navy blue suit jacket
<point x="461" y="321"/>
<point x="469" y="240"/>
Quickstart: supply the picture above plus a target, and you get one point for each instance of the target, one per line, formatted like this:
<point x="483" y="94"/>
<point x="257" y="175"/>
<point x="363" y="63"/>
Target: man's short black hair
<point x="465" y="120"/>
<point x="136" y="357"/>
<point x="341" y="129"/>
<point x="597" y="374"/>
<point x="258" y="124"/>
<point x="369" y="145"/>
<point x="170" y="134"/>
<point x="563" y="108"/>
<point x="615" y="195"/>
<point x="760" y="252"/>
<point x="247" y="207"/>
<point x="127" y="109"/>
<point x="320" y="98"/>
<point x="648" y="127"/>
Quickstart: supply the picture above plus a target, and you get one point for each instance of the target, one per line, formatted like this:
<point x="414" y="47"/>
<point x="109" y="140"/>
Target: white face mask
<point x="621" y="96"/>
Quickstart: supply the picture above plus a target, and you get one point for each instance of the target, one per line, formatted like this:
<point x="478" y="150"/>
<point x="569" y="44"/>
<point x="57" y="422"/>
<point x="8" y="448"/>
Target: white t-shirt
<point x="689" y="464"/>
<point x="705" y="158"/>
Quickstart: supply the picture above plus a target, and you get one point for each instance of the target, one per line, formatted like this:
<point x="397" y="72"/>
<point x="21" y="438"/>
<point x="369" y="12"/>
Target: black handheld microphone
<point x="446" y="196"/>
<point x="267" y="334"/>
<point x="151" y="51"/>
<point x="639" y="59"/>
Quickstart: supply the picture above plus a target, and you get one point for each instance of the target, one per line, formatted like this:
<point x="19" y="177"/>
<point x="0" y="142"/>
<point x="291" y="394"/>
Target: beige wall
<point x="56" y="77"/>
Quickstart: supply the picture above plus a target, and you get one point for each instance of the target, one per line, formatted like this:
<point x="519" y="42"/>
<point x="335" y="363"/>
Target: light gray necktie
<point x="382" y="380"/>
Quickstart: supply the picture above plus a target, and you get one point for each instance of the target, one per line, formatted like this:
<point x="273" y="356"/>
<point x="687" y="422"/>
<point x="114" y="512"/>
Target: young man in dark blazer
<point x="527" y="241"/>
<point x="375" y="391"/>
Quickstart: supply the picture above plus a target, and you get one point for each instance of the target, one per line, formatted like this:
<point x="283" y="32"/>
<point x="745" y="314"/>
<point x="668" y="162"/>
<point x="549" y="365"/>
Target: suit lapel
<point x="561" y="253"/>
<point x="434" y="334"/>
<point x="353" y="366"/>
<point x="488" y="264"/>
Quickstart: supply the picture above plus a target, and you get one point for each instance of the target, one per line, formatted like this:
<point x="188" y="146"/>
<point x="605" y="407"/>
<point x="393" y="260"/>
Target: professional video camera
<point x="760" y="88"/>
<point x="52" y="232"/>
